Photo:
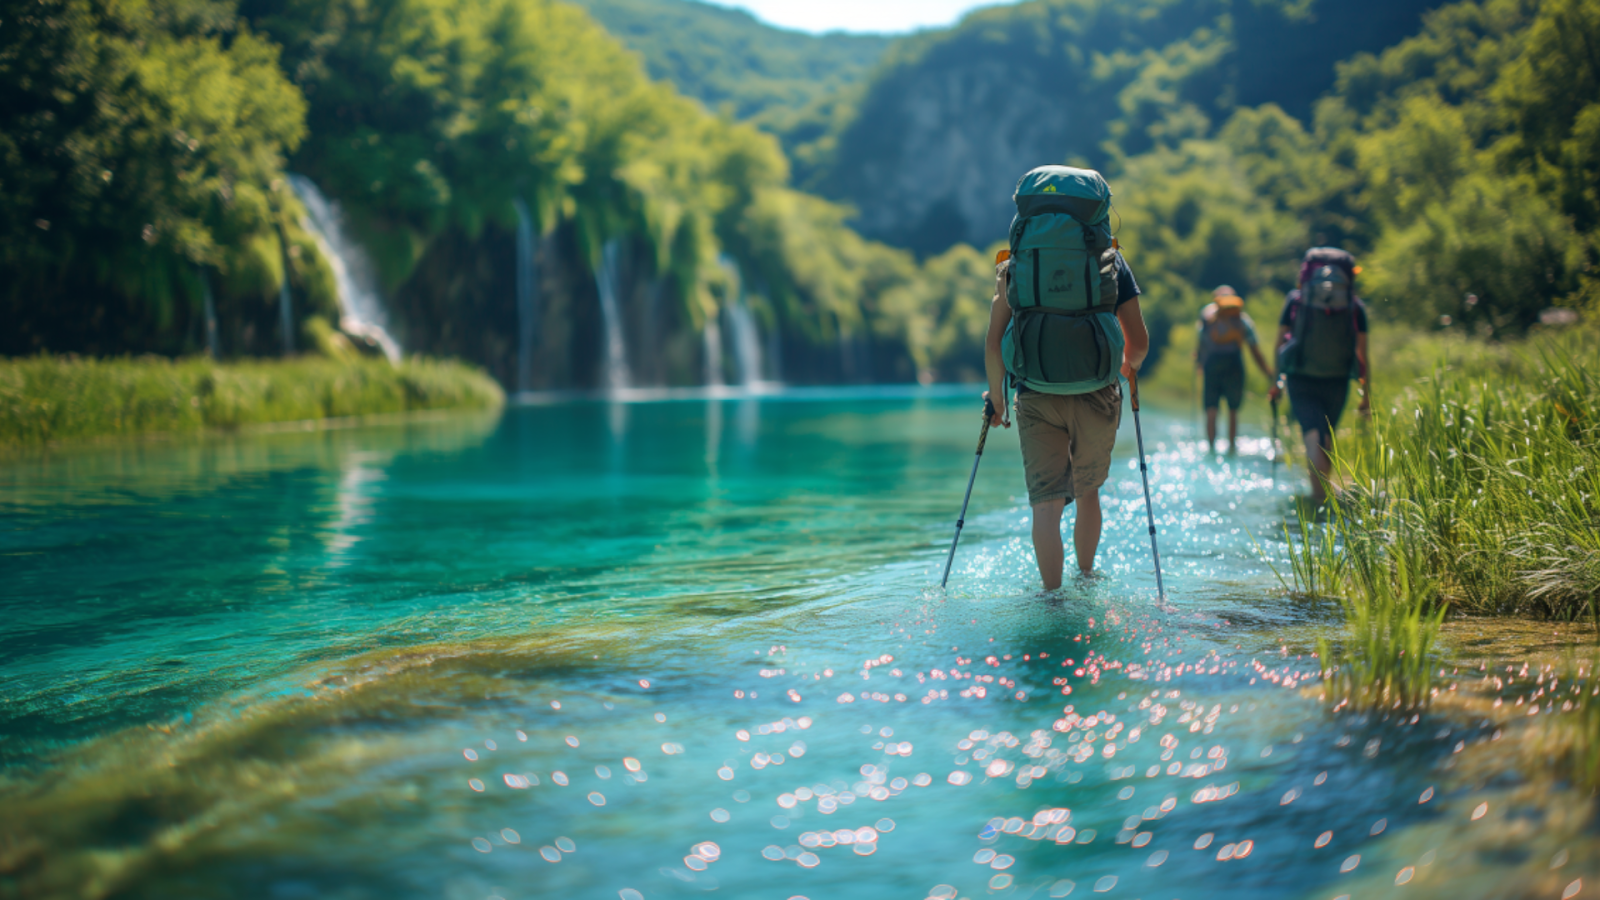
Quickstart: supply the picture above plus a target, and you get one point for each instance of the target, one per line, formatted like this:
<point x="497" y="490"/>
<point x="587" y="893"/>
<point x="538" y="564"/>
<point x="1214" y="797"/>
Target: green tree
<point x="139" y="140"/>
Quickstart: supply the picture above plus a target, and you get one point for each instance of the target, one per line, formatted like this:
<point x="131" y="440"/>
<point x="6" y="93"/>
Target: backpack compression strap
<point x="1070" y="313"/>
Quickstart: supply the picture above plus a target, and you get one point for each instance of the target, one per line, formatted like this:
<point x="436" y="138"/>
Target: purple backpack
<point x="1324" y="318"/>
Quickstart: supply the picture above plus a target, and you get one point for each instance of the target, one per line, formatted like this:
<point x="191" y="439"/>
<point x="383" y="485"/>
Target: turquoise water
<point x="584" y="649"/>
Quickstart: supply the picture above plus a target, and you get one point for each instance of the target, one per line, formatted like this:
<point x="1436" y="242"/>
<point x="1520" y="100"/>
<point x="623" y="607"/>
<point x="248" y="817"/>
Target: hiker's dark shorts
<point x="1067" y="441"/>
<point x="1224" y="379"/>
<point x="1318" y="403"/>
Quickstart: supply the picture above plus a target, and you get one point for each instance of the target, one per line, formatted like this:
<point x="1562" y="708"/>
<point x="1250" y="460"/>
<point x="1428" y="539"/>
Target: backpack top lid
<point x="1317" y="257"/>
<point x="1229" y="305"/>
<point x="1328" y="288"/>
<point x="1080" y="193"/>
<point x="1227" y="300"/>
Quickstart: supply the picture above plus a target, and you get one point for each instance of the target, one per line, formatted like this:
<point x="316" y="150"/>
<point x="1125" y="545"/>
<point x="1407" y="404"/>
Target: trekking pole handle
<point x="1133" y="390"/>
<point x="988" y="414"/>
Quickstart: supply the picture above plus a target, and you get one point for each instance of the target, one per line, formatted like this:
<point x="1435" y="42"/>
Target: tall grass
<point x="54" y="398"/>
<point x="1385" y="655"/>
<point x="1496" y="465"/>
<point x="1476" y="488"/>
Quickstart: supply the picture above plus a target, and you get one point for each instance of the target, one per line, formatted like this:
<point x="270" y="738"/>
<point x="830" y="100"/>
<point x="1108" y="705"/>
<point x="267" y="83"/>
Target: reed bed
<point x="1493" y="462"/>
<point x="1474" y="490"/>
<point x="45" y="399"/>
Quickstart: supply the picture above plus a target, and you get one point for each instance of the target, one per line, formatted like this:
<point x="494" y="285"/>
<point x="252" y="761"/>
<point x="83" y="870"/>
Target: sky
<point x="858" y="15"/>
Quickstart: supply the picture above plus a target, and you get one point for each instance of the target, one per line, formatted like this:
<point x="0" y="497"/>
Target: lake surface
<point x="590" y="649"/>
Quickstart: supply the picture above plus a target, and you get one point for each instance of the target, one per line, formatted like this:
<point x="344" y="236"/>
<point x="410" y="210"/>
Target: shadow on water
<point x="660" y="649"/>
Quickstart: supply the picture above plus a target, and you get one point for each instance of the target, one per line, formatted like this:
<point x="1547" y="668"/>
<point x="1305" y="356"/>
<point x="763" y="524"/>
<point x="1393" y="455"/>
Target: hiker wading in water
<point x="1322" y="344"/>
<point x="1225" y="329"/>
<point x="1064" y="323"/>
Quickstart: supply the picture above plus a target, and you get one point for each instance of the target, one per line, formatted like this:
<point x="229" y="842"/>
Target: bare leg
<point x="1319" y="465"/>
<point x="1047" y="546"/>
<point x="1211" y="430"/>
<point x="1233" y="430"/>
<point x="1086" y="531"/>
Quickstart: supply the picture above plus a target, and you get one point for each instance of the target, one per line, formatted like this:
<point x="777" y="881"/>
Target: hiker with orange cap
<point x="1225" y="330"/>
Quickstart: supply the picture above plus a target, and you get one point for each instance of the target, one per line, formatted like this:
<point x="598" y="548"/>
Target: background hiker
<point x="1322" y="344"/>
<point x="1225" y="329"/>
<point x="1064" y="323"/>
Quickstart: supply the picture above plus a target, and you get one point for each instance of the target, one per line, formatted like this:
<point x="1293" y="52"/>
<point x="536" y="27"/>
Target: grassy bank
<point x="50" y="398"/>
<point x="1486" y="465"/>
<point x="1474" y="490"/>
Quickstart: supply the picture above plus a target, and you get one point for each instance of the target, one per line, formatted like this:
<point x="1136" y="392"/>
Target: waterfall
<point x="527" y="309"/>
<point x="608" y="278"/>
<point x="746" y="344"/>
<point x="361" y="310"/>
<point x="713" y="354"/>
<point x="741" y="325"/>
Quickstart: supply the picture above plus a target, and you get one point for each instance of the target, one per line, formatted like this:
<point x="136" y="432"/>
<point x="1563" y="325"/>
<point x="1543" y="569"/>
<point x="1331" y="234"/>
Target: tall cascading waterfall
<point x="361" y="311"/>
<point x="527" y="299"/>
<point x="713" y="353"/>
<point x="746" y="344"/>
<point x="608" y="278"/>
<point x="742" y="326"/>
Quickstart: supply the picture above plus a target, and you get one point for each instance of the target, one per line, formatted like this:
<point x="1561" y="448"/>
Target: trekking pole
<point x="988" y="413"/>
<point x="1144" y="475"/>
<point x="1276" y="449"/>
<point x="1194" y="396"/>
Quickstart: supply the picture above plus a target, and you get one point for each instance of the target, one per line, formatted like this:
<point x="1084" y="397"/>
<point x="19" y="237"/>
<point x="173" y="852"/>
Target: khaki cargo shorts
<point x="1067" y="441"/>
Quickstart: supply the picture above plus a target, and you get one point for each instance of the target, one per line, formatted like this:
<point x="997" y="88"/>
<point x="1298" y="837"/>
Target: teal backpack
<point x="1064" y="337"/>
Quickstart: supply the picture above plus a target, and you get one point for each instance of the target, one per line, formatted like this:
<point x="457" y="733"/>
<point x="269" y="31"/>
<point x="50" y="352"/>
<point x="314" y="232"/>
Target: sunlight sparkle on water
<point x="768" y="641"/>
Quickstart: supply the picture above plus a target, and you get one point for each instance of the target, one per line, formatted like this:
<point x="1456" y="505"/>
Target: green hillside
<point x="953" y="116"/>
<point x="787" y="82"/>
<point x="512" y="172"/>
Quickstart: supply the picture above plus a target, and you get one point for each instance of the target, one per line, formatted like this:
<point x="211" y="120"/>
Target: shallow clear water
<point x="562" y="651"/>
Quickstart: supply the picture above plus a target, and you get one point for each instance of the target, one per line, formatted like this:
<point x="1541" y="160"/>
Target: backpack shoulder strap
<point x="1297" y="305"/>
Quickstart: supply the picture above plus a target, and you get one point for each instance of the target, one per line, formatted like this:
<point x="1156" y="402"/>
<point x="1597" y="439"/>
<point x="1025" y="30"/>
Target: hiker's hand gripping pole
<point x="1144" y="475"/>
<point x="988" y="414"/>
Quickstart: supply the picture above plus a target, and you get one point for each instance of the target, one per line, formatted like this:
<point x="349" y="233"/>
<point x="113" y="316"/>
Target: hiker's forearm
<point x="993" y="366"/>
<point x="1261" y="361"/>
<point x="1136" y="338"/>
<point x="994" y="369"/>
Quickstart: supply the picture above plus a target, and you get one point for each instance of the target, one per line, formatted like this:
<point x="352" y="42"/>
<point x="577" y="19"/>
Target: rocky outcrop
<point x="954" y="118"/>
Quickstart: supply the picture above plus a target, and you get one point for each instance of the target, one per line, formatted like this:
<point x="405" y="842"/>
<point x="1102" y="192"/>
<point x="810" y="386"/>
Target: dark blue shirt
<point x="1127" y="288"/>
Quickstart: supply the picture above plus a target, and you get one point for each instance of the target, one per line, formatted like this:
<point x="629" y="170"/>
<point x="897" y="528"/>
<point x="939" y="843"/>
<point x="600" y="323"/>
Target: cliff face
<point x="954" y="118"/>
<point x="934" y="164"/>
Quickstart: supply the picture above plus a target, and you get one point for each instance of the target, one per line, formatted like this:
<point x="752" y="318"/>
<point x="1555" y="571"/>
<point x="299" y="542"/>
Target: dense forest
<point x="504" y="181"/>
